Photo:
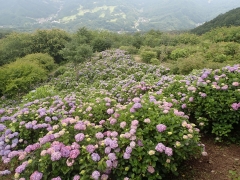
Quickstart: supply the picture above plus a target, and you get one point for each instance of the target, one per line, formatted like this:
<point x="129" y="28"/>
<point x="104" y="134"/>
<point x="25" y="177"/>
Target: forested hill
<point x="117" y="15"/>
<point x="230" y="18"/>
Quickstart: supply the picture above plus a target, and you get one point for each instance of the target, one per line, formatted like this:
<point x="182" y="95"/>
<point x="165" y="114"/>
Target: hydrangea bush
<point x="116" y="120"/>
<point x="136" y="140"/>
<point x="211" y="97"/>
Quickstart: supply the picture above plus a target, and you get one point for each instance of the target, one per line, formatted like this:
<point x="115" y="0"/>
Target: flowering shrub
<point x="211" y="97"/>
<point x="134" y="140"/>
<point x="117" y="120"/>
<point x="217" y="99"/>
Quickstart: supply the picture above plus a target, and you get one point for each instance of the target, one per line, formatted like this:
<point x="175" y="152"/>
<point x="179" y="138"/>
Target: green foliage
<point x="44" y="60"/>
<point x="50" y="42"/>
<point x="20" y="77"/>
<point x="215" y="65"/>
<point x="187" y="38"/>
<point x="147" y="56"/>
<point x="77" y="53"/>
<point x="155" y="61"/>
<point x="164" y="52"/>
<point x="234" y="175"/>
<point x="84" y="35"/>
<point x="4" y="33"/>
<point x="185" y="66"/>
<point x="40" y="93"/>
<point x="13" y="46"/>
<point x="230" y="34"/>
<point x="152" y="38"/>
<point x="129" y="49"/>
<point x="100" y="44"/>
<point x="60" y="71"/>
<point x="137" y="40"/>
<point x="179" y="53"/>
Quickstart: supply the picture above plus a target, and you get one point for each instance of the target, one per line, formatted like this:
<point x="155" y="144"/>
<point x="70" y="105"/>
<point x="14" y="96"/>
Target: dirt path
<point x="217" y="165"/>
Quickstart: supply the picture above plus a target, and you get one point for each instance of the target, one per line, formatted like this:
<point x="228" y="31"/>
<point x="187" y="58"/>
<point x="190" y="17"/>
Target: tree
<point x="77" y="53"/>
<point x="84" y="35"/>
<point x="50" y="42"/>
<point x="14" y="45"/>
<point x="100" y="44"/>
<point x="137" y="40"/>
<point x="148" y="55"/>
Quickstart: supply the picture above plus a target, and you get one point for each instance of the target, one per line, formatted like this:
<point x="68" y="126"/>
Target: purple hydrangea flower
<point x="136" y="100"/>
<point x="168" y="151"/>
<point x="184" y="106"/>
<point x="107" y="150"/>
<point x="2" y="111"/>
<point x="36" y="176"/>
<point x="65" y="152"/>
<point x="139" y="142"/>
<point x="55" y="156"/>
<point x="134" y="122"/>
<point x="74" y="153"/>
<point x="235" y="106"/>
<point x="126" y="155"/>
<point x="79" y="137"/>
<point x="76" y="177"/>
<point x="160" y="147"/>
<point x="2" y="127"/>
<point x="161" y="127"/>
<point x="137" y="106"/>
<point x="56" y="178"/>
<point x="95" y="175"/>
<point x="21" y="168"/>
<point x="151" y="169"/>
<point x="80" y="126"/>
<point x="114" y="134"/>
<point x="90" y="148"/>
<point x="132" y="110"/>
<point x="113" y="144"/>
<point x="112" y="156"/>
<point x="115" y="163"/>
<point x="109" y="163"/>
<point x="128" y="150"/>
<point x="99" y="135"/>
<point x="95" y="157"/>
<point x="5" y="172"/>
<point x="47" y="119"/>
<point x="110" y="111"/>
<point x="123" y="124"/>
<point x="113" y="121"/>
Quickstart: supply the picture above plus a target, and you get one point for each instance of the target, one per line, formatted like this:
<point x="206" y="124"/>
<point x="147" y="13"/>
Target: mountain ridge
<point x="134" y="15"/>
<point x="230" y="18"/>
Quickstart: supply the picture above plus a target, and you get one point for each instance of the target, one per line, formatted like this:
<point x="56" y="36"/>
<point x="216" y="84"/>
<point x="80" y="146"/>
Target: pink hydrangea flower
<point x="161" y="127"/>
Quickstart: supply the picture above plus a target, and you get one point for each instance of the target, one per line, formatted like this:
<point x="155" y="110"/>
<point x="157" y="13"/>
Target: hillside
<point x="78" y="104"/>
<point x="230" y="18"/>
<point x="166" y="15"/>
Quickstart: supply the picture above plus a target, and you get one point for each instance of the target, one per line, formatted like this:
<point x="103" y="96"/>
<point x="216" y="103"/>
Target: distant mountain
<point x="230" y="18"/>
<point x="114" y="15"/>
